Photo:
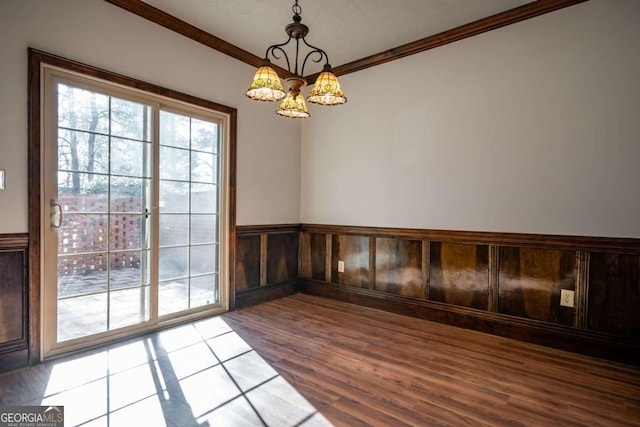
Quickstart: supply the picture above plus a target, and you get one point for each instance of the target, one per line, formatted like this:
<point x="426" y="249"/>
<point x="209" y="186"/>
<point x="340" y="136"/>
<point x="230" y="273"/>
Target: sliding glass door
<point x="131" y="211"/>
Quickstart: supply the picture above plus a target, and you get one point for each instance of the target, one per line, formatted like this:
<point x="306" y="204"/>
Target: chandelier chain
<point x="296" y="9"/>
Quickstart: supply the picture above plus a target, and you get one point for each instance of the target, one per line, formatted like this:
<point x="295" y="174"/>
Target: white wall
<point x="534" y="127"/>
<point x="100" y="34"/>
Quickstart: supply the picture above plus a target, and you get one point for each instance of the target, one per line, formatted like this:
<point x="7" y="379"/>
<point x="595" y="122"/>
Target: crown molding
<point x="172" y="23"/>
<point x="522" y="13"/>
<point x="527" y="11"/>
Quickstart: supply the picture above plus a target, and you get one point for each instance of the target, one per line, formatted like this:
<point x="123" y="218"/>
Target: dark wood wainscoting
<point x="614" y="294"/>
<point x="505" y="284"/>
<point x="14" y="305"/>
<point x="266" y="263"/>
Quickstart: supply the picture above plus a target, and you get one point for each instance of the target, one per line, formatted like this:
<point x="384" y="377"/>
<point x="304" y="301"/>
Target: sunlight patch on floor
<point x="200" y="374"/>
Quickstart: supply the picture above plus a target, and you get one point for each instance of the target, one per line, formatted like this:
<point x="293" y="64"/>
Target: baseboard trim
<point x="571" y="339"/>
<point x="262" y="294"/>
<point x="13" y="360"/>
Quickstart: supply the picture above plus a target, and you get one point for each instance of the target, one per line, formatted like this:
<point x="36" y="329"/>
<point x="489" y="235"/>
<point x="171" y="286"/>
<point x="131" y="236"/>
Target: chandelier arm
<point x="297" y="55"/>
<point x="309" y="55"/>
<point x="320" y="52"/>
<point x="278" y="47"/>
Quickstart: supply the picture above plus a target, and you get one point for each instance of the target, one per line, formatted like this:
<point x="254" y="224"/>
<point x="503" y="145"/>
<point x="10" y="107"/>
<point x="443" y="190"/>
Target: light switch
<point x="1" y="179"/>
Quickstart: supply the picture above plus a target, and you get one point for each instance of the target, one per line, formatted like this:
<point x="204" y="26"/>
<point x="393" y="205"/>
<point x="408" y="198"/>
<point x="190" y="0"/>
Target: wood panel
<point x="614" y="294"/>
<point x="313" y="253"/>
<point x="398" y="267"/>
<point x="354" y="251"/>
<point x="530" y="280"/>
<point x="12" y="298"/>
<point x="459" y="274"/>
<point x="282" y="257"/>
<point x="267" y="262"/>
<point x="14" y="294"/>
<point x="247" y="262"/>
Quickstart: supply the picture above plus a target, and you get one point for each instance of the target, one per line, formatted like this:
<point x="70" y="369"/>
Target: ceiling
<point x="347" y="30"/>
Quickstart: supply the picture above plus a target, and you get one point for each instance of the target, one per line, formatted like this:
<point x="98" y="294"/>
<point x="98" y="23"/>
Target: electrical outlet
<point x="567" y="298"/>
<point x="340" y="266"/>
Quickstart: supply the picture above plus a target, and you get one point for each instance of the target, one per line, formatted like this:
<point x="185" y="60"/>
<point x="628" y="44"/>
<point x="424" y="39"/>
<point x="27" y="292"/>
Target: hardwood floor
<point x="309" y="361"/>
<point x="202" y="374"/>
<point x="361" y="367"/>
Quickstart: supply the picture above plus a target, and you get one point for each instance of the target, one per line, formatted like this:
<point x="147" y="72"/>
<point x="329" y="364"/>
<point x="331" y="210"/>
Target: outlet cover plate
<point x="567" y="298"/>
<point x="340" y="266"/>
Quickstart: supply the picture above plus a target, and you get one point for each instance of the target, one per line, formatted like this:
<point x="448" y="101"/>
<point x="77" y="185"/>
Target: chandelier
<point x="266" y="84"/>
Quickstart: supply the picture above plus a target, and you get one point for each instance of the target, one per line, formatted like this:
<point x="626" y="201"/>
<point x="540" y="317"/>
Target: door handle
<point x="55" y="214"/>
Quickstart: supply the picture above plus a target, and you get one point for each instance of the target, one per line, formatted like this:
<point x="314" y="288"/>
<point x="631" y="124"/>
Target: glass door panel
<point x="103" y="194"/>
<point x="189" y="207"/>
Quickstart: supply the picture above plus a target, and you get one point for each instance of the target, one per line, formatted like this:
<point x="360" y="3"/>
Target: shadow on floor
<point x="199" y="374"/>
